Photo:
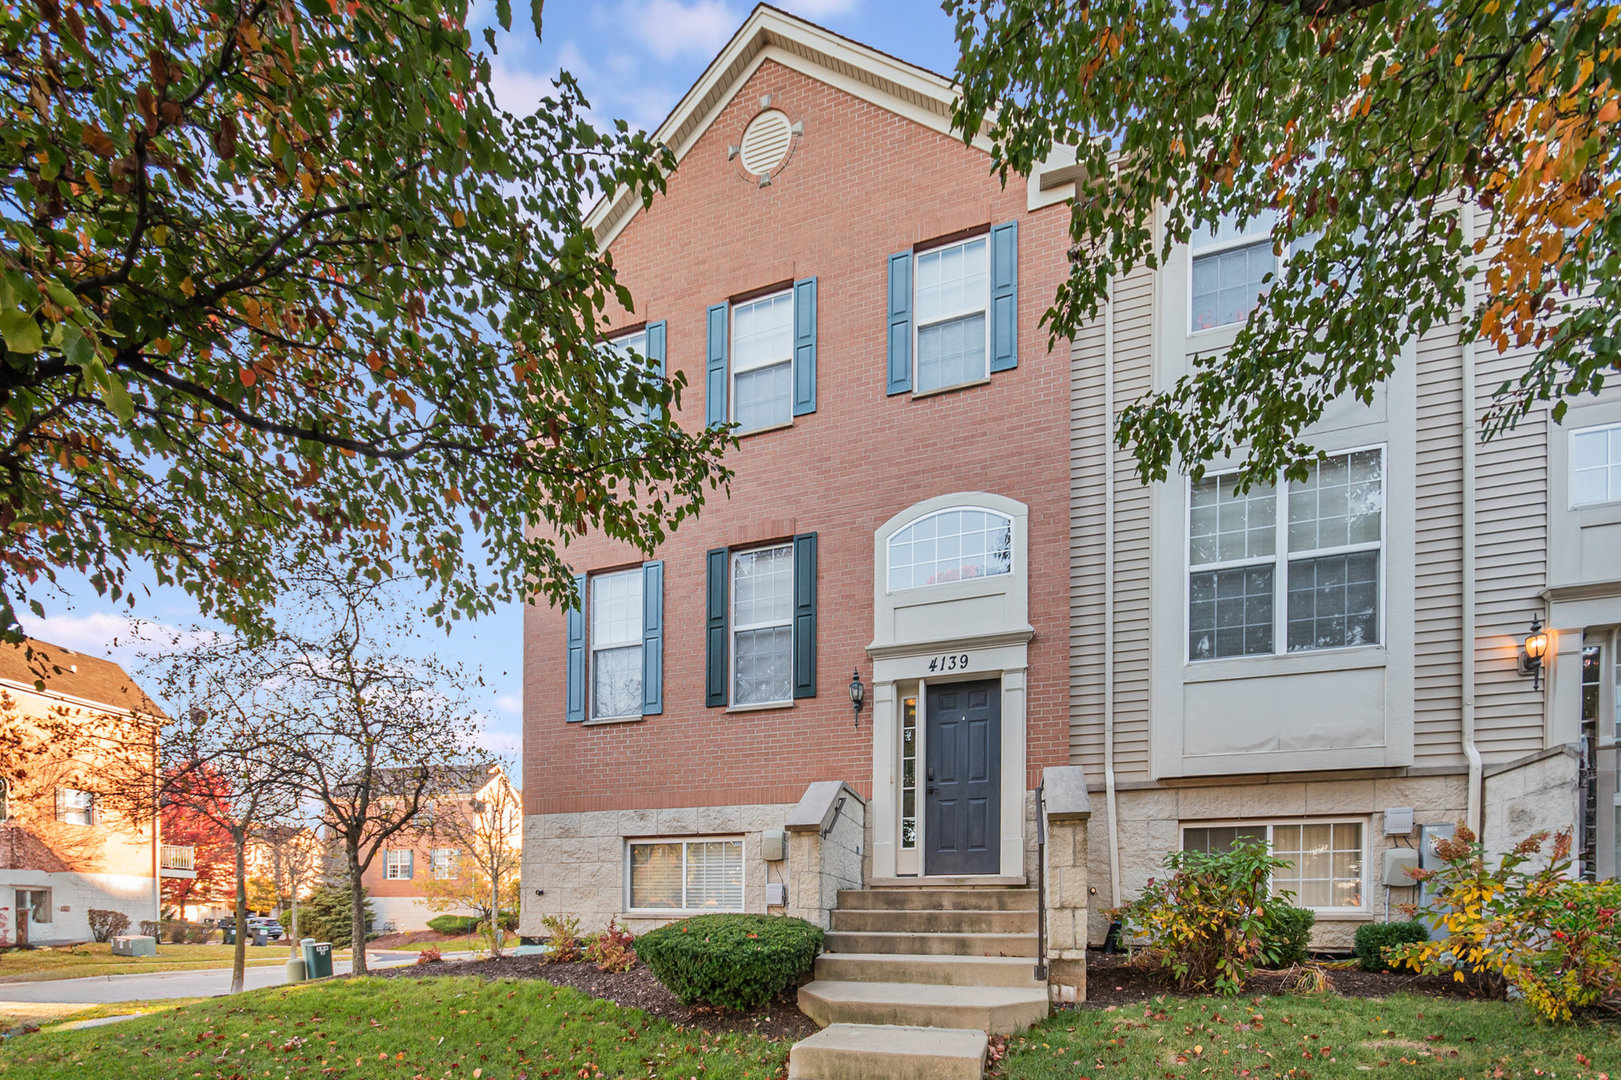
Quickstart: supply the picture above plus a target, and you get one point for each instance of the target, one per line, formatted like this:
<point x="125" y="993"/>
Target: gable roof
<point x="75" y="675"/>
<point x="914" y="92"/>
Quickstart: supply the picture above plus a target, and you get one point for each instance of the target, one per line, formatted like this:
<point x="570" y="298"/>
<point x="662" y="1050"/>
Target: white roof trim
<point x="768" y="34"/>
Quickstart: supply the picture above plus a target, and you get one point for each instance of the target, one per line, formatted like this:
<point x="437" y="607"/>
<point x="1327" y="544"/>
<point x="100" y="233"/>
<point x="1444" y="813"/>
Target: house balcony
<point x="177" y="861"/>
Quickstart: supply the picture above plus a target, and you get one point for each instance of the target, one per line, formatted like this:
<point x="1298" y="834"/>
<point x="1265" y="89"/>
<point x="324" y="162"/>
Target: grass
<point x="27" y="965"/>
<point x="378" y="1029"/>
<point x="41" y="1014"/>
<point x="1312" y="1037"/>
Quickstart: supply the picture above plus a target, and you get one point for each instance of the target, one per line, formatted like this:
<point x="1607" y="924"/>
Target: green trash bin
<point x="317" y="958"/>
<point x="230" y="935"/>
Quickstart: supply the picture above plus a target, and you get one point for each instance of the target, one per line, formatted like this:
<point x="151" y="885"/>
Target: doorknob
<point x="930" y="787"/>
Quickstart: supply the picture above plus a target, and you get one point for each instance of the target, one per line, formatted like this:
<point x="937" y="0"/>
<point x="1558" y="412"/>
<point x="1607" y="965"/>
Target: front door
<point x="962" y="793"/>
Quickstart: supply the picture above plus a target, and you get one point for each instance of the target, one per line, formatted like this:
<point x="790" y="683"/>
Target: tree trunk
<point x="239" y="958"/>
<point x="357" y="913"/>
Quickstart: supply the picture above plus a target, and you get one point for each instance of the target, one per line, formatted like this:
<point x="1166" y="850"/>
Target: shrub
<point x="1286" y="937"/>
<point x="453" y="925"/>
<point x="152" y="928"/>
<point x="174" y="932"/>
<point x="430" y="955"/>
<point x="733" y="961"/>
<point x="325" y="916"/>
<point x="563" y="935"/>
<point x="1552" y="938"/>
<point x="106" y="925"/>
<point x="198" y="933"/>
<point x="611" y="950"/>
<point x="1374" y="938"/>
<point x="1206" y="924"/>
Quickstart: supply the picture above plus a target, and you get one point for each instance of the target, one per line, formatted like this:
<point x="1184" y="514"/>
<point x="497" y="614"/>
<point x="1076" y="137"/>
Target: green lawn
<point x="26" y="965"/>
<point x="1312" y="1037"/>
<point x="17" y="1013"/>
<point x="378" y="1029"/>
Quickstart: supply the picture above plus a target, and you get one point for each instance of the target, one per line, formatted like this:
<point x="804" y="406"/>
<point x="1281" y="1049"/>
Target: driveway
<point x="154" y="986"/>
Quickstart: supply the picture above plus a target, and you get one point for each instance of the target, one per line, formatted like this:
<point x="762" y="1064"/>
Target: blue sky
<point x="634" y="59"/>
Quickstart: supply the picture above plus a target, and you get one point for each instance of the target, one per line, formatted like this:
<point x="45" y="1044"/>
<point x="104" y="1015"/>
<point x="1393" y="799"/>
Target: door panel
<point x="962" y="796"/>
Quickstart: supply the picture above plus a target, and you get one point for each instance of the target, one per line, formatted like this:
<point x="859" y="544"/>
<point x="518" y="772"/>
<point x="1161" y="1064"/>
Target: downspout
<point x="1471" y="751"/>
<point x="1108" y="595"/>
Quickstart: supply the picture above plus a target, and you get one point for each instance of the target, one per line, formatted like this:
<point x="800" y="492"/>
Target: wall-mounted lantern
<point x="1532" y="650"/>
<point x="858" y="694"/>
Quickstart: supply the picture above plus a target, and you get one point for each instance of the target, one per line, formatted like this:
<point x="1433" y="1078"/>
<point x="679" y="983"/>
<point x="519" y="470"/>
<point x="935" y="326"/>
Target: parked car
<point x="273" y="930"/>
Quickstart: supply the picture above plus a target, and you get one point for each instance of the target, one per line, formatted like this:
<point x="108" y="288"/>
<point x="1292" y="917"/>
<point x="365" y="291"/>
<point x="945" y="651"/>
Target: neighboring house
<point x="64" y="849"/>
<point x="928" y="496"/>
<point x="398" y="879"/>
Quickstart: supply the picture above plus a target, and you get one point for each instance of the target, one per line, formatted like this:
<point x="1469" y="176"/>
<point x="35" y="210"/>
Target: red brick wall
<point x="863" y="182"/>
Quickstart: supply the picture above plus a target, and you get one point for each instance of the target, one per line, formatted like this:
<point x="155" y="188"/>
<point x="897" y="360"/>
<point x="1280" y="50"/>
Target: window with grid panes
<point x="762" y="362"/>
<point x="442" y="863"/>
<point x="703" y="874"/>
<point x="616" y="644"/>
<point x="1327" y="549"/>
<point x="1325" y="858"/>
<point x="952" y="293"/>
<point x="762" y="625"/>
<point x="951" y="545"/>
<point x="397" y="864"/>
<point x="1595" y="465"/>
<point x="1229" y="270"/>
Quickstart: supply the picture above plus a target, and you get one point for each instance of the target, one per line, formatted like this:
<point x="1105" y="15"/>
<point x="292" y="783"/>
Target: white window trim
<point x="733" y="628"/>
<point x="1570" y="464"/>
<point x="918" y="325"/>
<point x="1279" y="261"/>
<point x="1280" y="558"/>
<point x="88" y="807"/>
<point x="733" y="370"/>
<point x="390" y="864"/>
<point x="591" y="644"/>
<point x="684" y="841"/>
<point x="1269" y="824"/>
<point x="889" y="547"/>
<point x="453" y="856"/>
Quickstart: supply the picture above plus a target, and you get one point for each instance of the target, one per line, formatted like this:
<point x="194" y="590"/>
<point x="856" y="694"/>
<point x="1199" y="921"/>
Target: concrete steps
<point x="884" y="1052"/>
<point x="913" y="979"/>
<point x="998" y="1010"/>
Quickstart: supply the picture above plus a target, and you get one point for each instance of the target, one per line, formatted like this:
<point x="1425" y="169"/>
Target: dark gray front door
<point x="963" y="792"/>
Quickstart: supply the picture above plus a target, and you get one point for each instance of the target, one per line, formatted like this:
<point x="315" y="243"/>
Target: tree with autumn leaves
<point x="1414" y="159"/>
<point x="212" y="853"/>
<point x="280" y="282"/>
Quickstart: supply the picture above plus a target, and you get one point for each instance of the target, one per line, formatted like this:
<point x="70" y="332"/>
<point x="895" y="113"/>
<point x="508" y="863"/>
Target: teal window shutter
<point x="652" y="638"/>
<point x="805" y="615"/>
<point x="900" y="322"/>
<point x="715" y="367"/>
<point x="655" y="348"/>
<point x="715" y="653"/>
<point x="574" y="698"/>
<point x="804" y="346"/>
<point x="1005" y="296"/>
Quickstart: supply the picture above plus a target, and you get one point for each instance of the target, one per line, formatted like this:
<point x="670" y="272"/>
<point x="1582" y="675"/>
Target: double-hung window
<point x="762" y="362"/>
<point x="1325" y="858"/>
<point x="398" y="864"/>
<point x="75" y="807"/>
<point x="1595" y="465"/>
<point x="702" y="874"/>
<point x="762" y="625"/>
<point x="1325" y="544"/>
<point x="1230" y="266"/>
<point x="953" y="332"/>
<point x="442" y="863"/>
<point x="616" y="644"/>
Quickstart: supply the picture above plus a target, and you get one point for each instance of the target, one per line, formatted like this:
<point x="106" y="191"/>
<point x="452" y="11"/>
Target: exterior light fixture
<point x="858" y="694"/>
<point x="1534" y="648"/>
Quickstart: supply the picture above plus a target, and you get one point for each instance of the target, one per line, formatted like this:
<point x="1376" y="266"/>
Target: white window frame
<point x="889" y="547"/>
<point x="733" y="370"/>
<point x="1221" y="247"/>
<point x="918" y="325"/>
<point x="449" y="857"/>
<point x="392" y="864"/>
<point x="48" y="907"/>
<point x="686" y="842"/>
<point x="1570" y="464"/>
<point x="1280" y="558"/>
<point x="733" y="627"/>
<point x="71" y="802"/>
<point x="1269" y="824"/>
<point x="592" y="647"/>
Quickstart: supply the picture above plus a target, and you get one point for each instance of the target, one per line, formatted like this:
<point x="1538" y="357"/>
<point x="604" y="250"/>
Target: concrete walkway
<point x="153" y="986"/>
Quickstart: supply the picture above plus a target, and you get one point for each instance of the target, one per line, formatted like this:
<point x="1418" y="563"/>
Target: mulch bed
<point x="636" y="989"/>
<point x="1112" y="980"/>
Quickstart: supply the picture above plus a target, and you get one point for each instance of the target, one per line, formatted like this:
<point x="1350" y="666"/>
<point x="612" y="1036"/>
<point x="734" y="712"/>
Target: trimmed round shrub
<point x="733" y="961"/>
<point x="453" y="925"/>
<point x="1373" y="938"/>
<point x="1286" y="937"/>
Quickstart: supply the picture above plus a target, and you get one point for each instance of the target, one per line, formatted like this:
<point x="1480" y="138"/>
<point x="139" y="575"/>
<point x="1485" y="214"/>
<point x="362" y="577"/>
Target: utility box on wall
<point x="773" y="845"/>
<point x="776" y="894"/>
<point x="1397" y="862"/>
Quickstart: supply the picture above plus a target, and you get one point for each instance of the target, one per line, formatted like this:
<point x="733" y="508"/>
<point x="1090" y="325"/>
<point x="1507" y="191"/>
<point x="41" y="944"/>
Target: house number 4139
<point x="949" y="662"/>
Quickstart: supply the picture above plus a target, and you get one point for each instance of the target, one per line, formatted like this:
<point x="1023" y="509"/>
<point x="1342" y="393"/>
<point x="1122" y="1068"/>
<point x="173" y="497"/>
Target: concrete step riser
<point x="885" y="1054"/>
<point x="1018" y="972"/>
<point x="1004" y="1019"/>
<point x="935" y="922"/>
<point x="937" y="899"/>
<point x="933" y="944"/>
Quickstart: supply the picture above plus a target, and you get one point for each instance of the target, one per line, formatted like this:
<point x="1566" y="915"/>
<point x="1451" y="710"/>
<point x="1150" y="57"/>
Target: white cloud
<point x="669" y="28"/>
<point x="95" y="633"/>
<point x="510" y="703"/>
<point x="819" y="9"/>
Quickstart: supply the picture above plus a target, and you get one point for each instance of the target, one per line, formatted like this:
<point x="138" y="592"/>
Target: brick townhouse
<point x="1422" y="632"/>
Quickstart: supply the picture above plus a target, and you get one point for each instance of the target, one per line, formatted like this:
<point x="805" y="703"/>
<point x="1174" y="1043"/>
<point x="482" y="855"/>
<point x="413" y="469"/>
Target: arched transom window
<point x="959" y="544"/>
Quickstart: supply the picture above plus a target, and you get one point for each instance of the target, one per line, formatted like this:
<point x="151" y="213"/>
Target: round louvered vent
<point x="765" y="142"/>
